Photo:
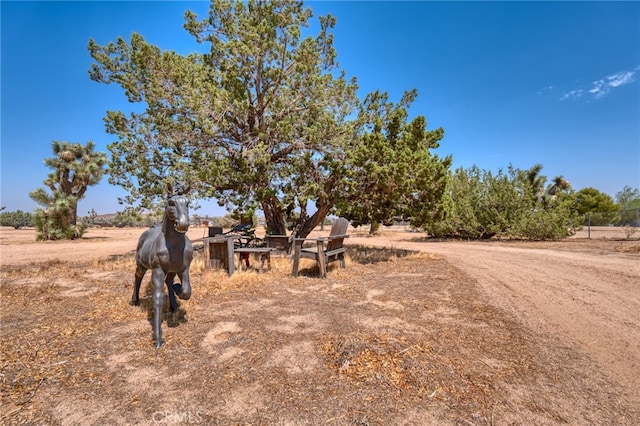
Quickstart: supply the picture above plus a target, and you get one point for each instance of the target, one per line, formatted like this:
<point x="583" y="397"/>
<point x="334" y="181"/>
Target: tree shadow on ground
<point x="173" y="319"/>
<point x="360" y="254"/>
<point x="363" y="255"/>
<point x="366" y="255"/>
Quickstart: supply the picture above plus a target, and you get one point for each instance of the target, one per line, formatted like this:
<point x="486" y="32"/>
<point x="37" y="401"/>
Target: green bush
<point x="17" y="219"/>
<point x="481" y="205"/>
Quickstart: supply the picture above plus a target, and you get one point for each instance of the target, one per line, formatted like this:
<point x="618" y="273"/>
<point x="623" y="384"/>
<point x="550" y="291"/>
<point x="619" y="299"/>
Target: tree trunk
<point x="274" y="216"/>
<point x="73" y="213"/>
<point x="308" y="225"/>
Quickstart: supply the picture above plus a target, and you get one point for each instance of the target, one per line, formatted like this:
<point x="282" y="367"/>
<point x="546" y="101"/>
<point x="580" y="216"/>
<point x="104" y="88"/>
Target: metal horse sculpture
<point x="167" y="251"/>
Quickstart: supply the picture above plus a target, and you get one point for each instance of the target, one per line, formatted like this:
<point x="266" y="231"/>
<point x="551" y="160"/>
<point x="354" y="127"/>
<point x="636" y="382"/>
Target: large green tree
<point x="595" y="207"/>
<point x="591" y="200"/>
<point x="393" y="175"/>
<point x="75" y="167"/>
<point x="258" y="121"/>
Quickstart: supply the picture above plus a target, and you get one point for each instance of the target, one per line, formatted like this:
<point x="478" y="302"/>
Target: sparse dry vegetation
<point x="398" y="337"/>
<point x="629" y="231"/>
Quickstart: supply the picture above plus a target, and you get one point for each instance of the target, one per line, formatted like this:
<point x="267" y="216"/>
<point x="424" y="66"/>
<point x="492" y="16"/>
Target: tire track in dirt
<point x="589" y="300"/>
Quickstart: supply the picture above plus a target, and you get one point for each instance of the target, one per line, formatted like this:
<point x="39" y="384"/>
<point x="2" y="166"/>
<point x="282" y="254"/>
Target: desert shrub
<point x="544" y="224"/>
<point x="125" y="219"/>
<point x="17" y="219"/>
<point x="226" y="221"/>
<point x="480" y="205"/>
<point x="629" y="231"/>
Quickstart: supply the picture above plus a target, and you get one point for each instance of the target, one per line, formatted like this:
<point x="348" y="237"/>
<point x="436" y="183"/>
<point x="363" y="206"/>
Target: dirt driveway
<point x="588" y="295"/>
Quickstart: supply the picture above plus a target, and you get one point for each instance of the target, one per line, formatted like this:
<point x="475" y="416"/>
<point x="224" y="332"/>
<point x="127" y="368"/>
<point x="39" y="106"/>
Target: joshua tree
<point x="75" y="168"/>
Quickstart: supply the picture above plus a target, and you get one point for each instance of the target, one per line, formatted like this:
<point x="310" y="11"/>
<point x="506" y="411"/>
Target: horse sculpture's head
<point x="177" y="208"/>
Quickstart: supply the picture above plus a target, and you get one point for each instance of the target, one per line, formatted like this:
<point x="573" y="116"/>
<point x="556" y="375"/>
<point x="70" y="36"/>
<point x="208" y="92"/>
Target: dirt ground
<point x="412" y="332"/>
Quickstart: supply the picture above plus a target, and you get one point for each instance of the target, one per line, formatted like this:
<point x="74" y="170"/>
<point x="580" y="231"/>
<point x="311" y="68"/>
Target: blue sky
<point x="555" y="83"/>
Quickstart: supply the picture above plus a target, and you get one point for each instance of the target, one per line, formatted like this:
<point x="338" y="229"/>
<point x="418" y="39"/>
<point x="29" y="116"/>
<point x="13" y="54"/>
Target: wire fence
<point x="625" y="223"/>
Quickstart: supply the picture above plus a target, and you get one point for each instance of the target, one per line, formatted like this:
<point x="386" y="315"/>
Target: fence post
<point x="589" y="226"/>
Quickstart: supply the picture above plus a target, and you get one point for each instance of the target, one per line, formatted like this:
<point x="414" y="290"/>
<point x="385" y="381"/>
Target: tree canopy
<point x="393" y="175"/>
<point x="591" y="200"/>
<point x="265" y="119"/>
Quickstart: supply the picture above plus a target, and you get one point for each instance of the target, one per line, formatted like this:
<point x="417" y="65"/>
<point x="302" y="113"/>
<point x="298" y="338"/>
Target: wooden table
<point x="265" y="255"/>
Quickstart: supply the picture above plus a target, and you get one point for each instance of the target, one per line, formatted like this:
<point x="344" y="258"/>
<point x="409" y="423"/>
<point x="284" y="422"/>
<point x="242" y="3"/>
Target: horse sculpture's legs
<point x="135" y="298"/>
<point x="158" y="296"/>
<point x="172" y="289"/>
<point x="185" y="288"/>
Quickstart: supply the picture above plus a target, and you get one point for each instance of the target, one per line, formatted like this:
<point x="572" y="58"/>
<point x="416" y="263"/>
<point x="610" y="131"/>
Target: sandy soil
<point x="590" y="298"/>
<point x="460" y="333"/>
<point x="19" y="247"/>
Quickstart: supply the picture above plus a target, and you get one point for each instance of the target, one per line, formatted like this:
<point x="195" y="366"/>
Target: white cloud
<point x="572" y="94"/>
<point x="601" y="87"/>
<point x="621" y="78"/>
<point x="545" y="90"/>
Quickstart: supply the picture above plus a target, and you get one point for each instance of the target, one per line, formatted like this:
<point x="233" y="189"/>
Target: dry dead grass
<point x="396" y="338"/>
